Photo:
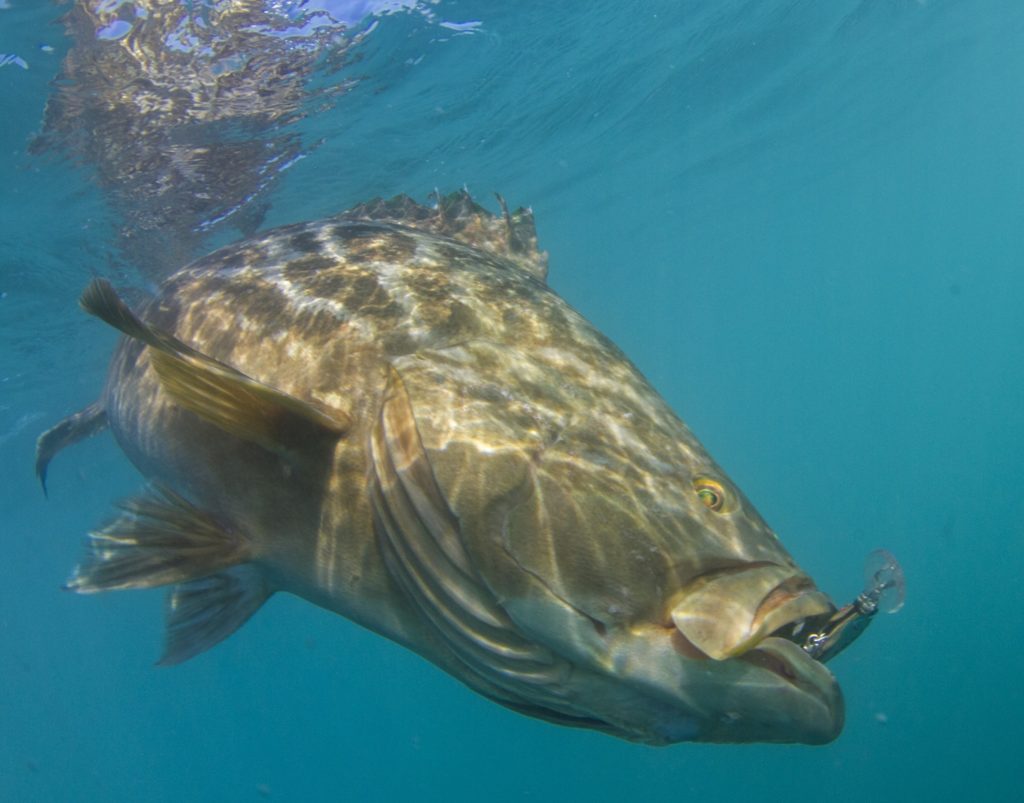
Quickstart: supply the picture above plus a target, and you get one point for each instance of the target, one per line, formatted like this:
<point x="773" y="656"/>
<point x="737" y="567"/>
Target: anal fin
<point x="204" y="612"/>
<point x="83" y="424"/>
<point x="159" y="539"/>
<point x="163" y="539"/>
<point x="219" y="393"/>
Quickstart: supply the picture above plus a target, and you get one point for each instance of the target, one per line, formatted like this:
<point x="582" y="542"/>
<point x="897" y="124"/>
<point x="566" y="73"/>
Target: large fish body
<point x="390" y="414"/>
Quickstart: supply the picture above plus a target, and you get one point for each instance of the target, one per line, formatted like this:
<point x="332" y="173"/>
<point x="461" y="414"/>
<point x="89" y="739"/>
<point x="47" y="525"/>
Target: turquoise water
<point x="803" y="221"/>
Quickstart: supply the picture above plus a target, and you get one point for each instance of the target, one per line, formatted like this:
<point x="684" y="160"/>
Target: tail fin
<point x="83" y="424"/>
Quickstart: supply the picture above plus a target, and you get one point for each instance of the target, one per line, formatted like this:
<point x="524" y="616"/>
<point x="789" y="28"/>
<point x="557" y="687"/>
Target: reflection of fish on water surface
<point x="185" y="110"/>
<point x="390" y="414"/>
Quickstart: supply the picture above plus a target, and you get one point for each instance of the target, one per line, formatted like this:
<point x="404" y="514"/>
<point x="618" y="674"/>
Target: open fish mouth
<point x="825" y="635"/>
<point x="783" y="652"/>
<point x="796" y="631"/>
<point x="757" y="617"/>
<point x="728" y="612"/>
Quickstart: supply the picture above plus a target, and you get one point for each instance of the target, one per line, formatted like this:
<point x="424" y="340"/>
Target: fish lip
<point x="815" y="687"/>
<point x="729" y="613"/>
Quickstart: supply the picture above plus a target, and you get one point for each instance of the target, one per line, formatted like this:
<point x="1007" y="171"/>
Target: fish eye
<point x="711" y="493"/>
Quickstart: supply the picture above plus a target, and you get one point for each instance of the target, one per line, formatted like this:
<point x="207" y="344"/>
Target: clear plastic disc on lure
<point x="884" y="590"/>
<point x="883" y="581"/>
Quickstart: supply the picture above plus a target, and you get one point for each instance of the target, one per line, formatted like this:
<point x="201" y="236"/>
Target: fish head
<point x="682" y="624"/>
<point x="594" y="568"/>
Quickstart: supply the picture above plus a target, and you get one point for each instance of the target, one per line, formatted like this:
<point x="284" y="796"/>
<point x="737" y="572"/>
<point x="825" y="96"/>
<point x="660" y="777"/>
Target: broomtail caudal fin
<point x="83" y="424"/>
<point x="161" y="538"/>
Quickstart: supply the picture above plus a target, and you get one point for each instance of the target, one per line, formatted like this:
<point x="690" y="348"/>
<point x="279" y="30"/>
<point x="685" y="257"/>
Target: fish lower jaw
<point x="782" y="657"/>
<point x="810" y="681"/>
<point x="773" y="692"/>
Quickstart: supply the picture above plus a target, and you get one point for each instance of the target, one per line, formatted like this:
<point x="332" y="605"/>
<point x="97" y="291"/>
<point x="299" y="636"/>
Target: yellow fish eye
<point x="711" y="493"/>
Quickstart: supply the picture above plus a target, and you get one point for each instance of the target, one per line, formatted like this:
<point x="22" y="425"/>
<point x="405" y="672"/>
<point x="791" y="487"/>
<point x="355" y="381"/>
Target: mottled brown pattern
<point x="305" y="269"/>
<point x="364" y="243"/>
<point x="305" y="242"/>
<point x="511" y="498"/>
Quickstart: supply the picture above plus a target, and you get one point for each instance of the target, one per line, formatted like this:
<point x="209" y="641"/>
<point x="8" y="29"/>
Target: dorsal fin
<point x="216" y="392"/>
<point x="511" y="235"/>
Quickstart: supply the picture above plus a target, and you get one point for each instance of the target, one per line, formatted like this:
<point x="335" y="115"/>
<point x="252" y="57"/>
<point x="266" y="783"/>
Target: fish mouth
<point x="758" y="615"/>
<point x="727" y="612"/>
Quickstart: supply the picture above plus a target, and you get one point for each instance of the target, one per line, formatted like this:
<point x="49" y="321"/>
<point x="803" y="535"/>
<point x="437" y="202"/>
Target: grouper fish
<point x="390" y="414"/>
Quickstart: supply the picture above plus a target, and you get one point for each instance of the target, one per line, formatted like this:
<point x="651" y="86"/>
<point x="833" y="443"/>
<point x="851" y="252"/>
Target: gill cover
<point x="423" y="548"/>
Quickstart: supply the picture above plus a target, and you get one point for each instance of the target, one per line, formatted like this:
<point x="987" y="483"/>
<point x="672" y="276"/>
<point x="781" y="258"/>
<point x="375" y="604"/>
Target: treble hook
<point x="884" y="590"/>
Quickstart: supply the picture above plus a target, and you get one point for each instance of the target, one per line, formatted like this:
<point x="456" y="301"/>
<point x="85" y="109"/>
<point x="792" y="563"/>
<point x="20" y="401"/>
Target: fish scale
<point x="390" y="414"/>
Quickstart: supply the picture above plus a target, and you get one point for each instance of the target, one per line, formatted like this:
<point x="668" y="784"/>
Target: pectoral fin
<point x="216" y="392"/>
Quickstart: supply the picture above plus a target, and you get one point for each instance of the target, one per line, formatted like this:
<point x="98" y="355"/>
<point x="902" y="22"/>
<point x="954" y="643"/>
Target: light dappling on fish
<point x="389" y="413"/>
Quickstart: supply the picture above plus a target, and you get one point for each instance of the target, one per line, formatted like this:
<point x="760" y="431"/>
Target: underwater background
<point x="803" y="221"/>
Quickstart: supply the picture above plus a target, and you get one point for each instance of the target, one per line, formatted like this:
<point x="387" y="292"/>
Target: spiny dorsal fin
<point x="511" y="236"/>
<point x="216" y="392"/>
<point x="83" y="424"/>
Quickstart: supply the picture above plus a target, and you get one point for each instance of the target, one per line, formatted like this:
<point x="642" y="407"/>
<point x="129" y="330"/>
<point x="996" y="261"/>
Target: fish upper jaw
<point x="728" y="612"/>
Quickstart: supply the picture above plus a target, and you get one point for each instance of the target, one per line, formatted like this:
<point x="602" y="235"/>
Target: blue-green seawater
<point x="804" y="221"/>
